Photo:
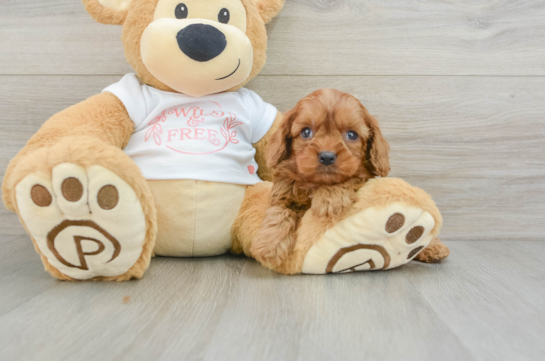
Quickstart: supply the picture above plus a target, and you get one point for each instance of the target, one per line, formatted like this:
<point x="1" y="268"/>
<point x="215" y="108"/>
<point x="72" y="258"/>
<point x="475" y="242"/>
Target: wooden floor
<point x="459" y="89"/>
<point x="485" y="303"/>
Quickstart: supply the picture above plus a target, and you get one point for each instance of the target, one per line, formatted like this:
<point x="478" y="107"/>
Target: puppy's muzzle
<point x="201" y="42"/>
<point x="327" y="158"/>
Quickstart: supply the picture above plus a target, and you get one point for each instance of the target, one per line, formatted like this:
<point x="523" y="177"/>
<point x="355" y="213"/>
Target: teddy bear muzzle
<point x="196" y="57"/>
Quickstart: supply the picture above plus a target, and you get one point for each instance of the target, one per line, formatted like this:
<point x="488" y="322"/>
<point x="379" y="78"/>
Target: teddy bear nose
<point x="327" y="158"/>
<point x="201" y="42"/>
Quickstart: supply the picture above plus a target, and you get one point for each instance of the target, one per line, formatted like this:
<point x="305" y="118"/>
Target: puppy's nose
<point x="201" y="42"/>
<point x="327" y="158"/>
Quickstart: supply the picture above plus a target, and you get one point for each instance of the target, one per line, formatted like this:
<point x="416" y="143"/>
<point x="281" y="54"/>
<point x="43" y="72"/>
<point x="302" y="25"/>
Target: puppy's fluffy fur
<point x="326" y="149"/>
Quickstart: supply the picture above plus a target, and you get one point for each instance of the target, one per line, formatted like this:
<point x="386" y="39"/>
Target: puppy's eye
<point x="351" y="135"/>
<point x="224" y="16"/>
<point x="181" y="11"/>
<point x="306" y="133"/>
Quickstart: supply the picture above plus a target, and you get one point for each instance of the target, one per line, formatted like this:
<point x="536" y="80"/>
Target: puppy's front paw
<point x="275" y="239"/>
<point x="270" y="253"/>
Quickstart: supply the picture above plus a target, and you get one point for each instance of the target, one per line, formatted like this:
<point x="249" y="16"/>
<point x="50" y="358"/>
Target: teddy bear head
<point x="194" y="47"/>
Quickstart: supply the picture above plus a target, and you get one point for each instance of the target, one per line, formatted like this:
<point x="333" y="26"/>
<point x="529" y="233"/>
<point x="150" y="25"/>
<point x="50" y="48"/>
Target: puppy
<point x="327" y="147"/>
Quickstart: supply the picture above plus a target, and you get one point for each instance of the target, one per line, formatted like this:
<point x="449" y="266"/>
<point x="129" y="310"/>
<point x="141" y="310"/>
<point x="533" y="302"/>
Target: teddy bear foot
<point x="373" y="239"/>
<point x="87" y="223"/>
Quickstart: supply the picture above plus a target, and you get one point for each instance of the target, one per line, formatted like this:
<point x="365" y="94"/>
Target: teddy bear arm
<point x="102" y="116"/>
<point x="264" y="172"/>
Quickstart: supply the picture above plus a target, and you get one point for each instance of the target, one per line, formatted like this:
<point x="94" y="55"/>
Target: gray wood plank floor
<point x="484" y="303"/>
<point x="459" y="89"/>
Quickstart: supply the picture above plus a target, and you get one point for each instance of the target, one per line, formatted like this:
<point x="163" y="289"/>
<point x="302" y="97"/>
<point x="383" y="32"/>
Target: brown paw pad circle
<point x="41" y="196"/>
<point x="414" y="234"/>
<point x="395" y="222"/>
<point x="108" y="197"/>
<point x="72" y="189"/>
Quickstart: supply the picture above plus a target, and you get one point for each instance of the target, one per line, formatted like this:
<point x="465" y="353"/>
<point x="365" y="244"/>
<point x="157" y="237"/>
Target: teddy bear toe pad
<point x="373" y="239"/>
<point x="87" y="222"/>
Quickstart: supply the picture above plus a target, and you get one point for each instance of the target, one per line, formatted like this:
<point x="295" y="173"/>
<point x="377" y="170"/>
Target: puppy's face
<point x="328" y="138"/>
<point x="329" y="133"/>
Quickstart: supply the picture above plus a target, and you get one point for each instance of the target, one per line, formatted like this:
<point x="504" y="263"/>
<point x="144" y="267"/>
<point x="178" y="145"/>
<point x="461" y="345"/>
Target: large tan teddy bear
<point x="170" y="161"/>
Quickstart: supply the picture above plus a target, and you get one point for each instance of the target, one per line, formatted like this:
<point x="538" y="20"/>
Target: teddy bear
<point x="170" y="160"/>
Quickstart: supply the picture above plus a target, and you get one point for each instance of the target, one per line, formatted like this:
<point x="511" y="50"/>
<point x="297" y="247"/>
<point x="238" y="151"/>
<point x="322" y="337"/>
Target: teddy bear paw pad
<point x="87" y="222"/>
<point x="374" y="239"/>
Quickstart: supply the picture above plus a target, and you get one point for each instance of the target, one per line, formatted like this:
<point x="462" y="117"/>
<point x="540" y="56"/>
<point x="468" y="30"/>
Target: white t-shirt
<point x="208" y="138"/>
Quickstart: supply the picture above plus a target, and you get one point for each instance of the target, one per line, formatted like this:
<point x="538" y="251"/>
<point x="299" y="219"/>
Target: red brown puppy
<point x="326" y="149"/>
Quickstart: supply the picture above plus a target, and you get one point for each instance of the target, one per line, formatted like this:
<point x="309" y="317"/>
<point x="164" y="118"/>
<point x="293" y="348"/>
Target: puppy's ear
<point x="377" y="158"/>
<point x="280" y="143"/>
<point x="109" y="12"/>
<point x="269" y="8"/>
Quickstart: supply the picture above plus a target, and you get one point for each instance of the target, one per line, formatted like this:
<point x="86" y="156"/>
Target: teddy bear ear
<point x="269" y="8"/>
<point x="109" y="12"/>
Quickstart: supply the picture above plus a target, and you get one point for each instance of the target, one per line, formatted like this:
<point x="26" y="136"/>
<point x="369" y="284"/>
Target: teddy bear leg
<point x="388" y="226"/>
<point x="87" y="209"/>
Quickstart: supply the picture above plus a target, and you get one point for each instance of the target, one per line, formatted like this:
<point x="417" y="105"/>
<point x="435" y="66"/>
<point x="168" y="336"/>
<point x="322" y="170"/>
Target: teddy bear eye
<point x="181" y="11"/>
<point x="224" y="16"/>
<point x="306" y="133"/>
<point x="351" y="135"/>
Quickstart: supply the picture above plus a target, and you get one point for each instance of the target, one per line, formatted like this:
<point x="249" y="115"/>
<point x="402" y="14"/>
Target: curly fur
<point x="435" y="252"/>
